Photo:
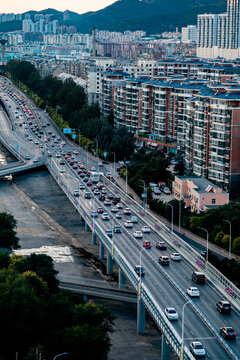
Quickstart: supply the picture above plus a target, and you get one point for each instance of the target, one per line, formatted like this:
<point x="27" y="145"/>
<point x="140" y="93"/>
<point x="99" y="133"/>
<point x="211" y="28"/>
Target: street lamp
<point x="86" y="149"/>
<point x="114" y="162"/>
<point x="113" y="237"/>
<point x="98" y="163"/>
<point x="97" y="144"/>
<point x="126" y="178"/>
<point x="182" y="347"/>
<point x="180" y="209"/>
<point x="145" y="193"/>
<point x="230" y="238"/>
<point x="140" y="271"/>
<point x="207" y="242"/>
<point x="172" y="218"/>
<point x="65" y="353"/>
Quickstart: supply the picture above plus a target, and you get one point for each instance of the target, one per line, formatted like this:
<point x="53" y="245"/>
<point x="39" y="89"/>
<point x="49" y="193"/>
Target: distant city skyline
<point x="11" y="6"/>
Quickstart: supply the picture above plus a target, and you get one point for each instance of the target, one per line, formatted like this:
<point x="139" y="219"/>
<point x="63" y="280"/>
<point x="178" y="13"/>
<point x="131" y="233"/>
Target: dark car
<point x="161" y="245"/>
<point x="228" y="332"/>
<point x="105" y="162"/>
<point x="87" y="195"/>
<point x="163" y="260"/>
<point x="100" y="210"/>
<point x="198" y="277"/>
<point x="85" y="179"/>
<point x="110" y="196"/>
<point x="224" y="307"/>
<point x="101" y="197"/>
<point x="139" y="270"/>
<point x="109" y="233"/>
<point x="116" y="200"/>
<point x="117" y="229"/>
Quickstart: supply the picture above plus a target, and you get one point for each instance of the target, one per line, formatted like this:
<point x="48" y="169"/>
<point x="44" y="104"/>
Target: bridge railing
<point x="227" y="288"/>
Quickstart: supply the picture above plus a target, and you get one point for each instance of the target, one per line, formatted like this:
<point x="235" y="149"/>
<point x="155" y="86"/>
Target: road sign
<point x="105" y="154"/>
<point x="74" y="136"/>
<point x="67" y="130"/>
<point x="144" y="196"/>
<point x="17" y="146"/>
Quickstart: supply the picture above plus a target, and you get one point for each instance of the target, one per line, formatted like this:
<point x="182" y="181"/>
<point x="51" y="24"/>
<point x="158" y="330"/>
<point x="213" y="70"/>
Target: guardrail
<point x="225" y="286"/>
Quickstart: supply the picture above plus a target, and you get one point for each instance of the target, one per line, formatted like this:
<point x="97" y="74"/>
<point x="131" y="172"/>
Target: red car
<point x="79" y="172"/>
<point x="75" y="166"/>
<point x="89" y="183"/>
<point x="71" y="163"/>
<point x="100" y="210"/>
<point x="147" y="244"/>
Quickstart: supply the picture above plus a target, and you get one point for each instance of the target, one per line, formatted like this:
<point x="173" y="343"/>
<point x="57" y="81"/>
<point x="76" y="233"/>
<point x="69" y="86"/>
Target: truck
<point x="94" y="177"/>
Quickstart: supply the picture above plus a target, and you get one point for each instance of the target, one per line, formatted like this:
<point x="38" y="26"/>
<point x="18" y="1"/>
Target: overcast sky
<point x="79" y="6"/>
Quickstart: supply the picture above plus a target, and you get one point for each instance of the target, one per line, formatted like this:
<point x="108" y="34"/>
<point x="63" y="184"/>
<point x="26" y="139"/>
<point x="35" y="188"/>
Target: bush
<point x="236" y="246"/>
<point x="218" y="238"/>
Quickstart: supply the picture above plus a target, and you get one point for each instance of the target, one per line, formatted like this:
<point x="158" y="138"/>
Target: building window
<point x="213" y="201"/>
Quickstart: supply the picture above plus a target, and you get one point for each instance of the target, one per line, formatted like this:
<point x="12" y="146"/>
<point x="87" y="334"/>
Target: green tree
<point x="179" y="168"/>
<point x="8" y="235"/>
<point x="218" y="238"/>
<point x="195" y="221"/>
<point x="4" y="259"/>
<point x="225" y="241"/>
<point x="236" y="245"/>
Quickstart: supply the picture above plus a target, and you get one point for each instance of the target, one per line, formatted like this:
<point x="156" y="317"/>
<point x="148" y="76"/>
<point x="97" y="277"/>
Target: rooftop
<point x="201" y="183"/>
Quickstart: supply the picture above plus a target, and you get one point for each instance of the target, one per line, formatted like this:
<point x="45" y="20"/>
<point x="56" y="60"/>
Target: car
<point x="108" y="175"/>
<point x="104" y="191"/>
<point x="62" y="162"/>
<point x="163" y="260"/>
<point x="166" y="191"/>
<point x="114" y="209"/>
<point x="119" y="205"/>
<point x="75" y="167"/>
<point x="146" y="229"/>
<point x="81" y="187"/>
<point x="105" y="162"/>
<point x="147" y="244"/>
<point x="128" y="224"/>
<point x="110" y="196"/>
<point x="27" y="157"/>
<point x="137" y="234"/>
<point x="87" y="195"/>
<point x="89" y="183"/>
<point x="71" y="162"/>
<point x="76" y="193"/>
<point x="139" y="270"/>
<point x="228" y="333"/>
<point x="107" y="202"/>
<point x="171" y="313"/>
<point x="82" y="175"/>
<point x="93" y="168"/>
<point x="62" y="171"/>
<point x="118" y="215"/>
<point x="85" y="179"/>
<point x="75" y="152"/>
<point x="134" y="219"/>
<point x="197" y="349"/>
<point x="224" y="307"/>
<point x="116" y="200"/>
<point x="30" y="138"/>
<point x="175" y="257"/>
<point x="94" y="214"/>
<point x="102" y="198"/>
<point x="100" y="210"/>
<point x="198" y="277"/>
<point x="117" y="229"/>
<point x="96" y="192"/>
<point x="36" y="142"/>
<point x="100" y="164"/>
<point x="105" y="216"/>
<point x="100" y="186"/>
<point x="127" y="211"/>
<point x="109" y="233"/>
<point x="193" y="292"/>
<point x="35" y="160"/>
<point x="161" y="245"/>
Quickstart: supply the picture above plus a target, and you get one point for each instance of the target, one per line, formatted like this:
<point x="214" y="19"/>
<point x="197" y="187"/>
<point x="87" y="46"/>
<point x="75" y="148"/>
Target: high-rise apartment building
<point x="219" y="35"/>
<point x="189" y="34"/>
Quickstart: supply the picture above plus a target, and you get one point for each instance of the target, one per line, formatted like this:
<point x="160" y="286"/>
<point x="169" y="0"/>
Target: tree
<point x="225" y="240"/>
<point x="218" y="238"/>
<point x="195" y="222"/>
<point x="236" y="245"/>
<point x="8" y="237"/>
<point x="4" y="259"/>
<point x="179" y="168"/>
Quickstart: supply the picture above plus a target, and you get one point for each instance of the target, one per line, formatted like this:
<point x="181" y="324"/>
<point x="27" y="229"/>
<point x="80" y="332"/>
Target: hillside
<point x="152" y="16"/>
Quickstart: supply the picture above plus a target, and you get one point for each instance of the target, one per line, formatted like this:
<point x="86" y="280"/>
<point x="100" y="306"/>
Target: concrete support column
<point x="109" y="264"/>
<point x="165" y="350"/>
<point x="121" y="279"/>
<point x="101" y="251"/>
<point x="140" y="316"/>
<point x="87" y="228"/>
<point x="81" y="218"/>
<point x="94" y="238"/>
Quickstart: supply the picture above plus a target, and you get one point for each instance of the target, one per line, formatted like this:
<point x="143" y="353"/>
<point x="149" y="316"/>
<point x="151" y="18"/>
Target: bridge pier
<point x="87" y="228"/>
<point x="165" y="350"/>
<point x="140" y="316"/>
<point x="121" y="279"/>
<point x="101" y="251"/>
<point x="94" y="238"/>
<point x="109" y="264"/>
<point x="81" y="218"/>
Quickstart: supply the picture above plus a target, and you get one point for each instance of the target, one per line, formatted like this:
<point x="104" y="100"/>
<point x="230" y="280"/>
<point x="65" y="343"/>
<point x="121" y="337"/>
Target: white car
<point x="114" y="209"/>
<point x="105" y="216"/>
<point x="35" y="160"/>
<point x="36" y="142"/>
<point x="166" y="191"/>
<point x="137" y="234"/>
<point x="193" y="292"/>
<point x="57" y="156"/>
<point x="62" y="171"/>
<point x="171" y="313"/>
<point x="81" y="187"/>
<point x="127" y="211"/>
<point x="175" y="256"/>
<point x="100" y="164"/>
<point x="93" y="169"/>
<point x="197" y="349"/>
<point x="128" y="224"/>
<point x="119" y="205"/>
<point x="146" y="229"/>
<point x="75" y="152"/>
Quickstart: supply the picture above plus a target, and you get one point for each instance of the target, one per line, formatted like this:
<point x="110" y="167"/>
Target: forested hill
<point x="153" y="16"/>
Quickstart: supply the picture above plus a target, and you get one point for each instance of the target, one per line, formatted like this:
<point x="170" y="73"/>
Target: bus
<point x="94" y="177"/>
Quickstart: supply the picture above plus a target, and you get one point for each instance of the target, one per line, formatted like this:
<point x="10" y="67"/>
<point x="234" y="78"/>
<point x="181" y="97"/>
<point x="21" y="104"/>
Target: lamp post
<point x="140" y="271"/>
<point x="98" y="163"/>
<point x="113" y="237"/>
<point x="145" y="193"/>
<point x="87" y="155"/>
<point x="114" y="162"/>
<point x="207" y="242"/>
<point x="126" y="178"/>
<point x="97" y="144"/>
<point x="230" y="238"/>
<point x="172" y="218"/>
<point x="182" y="347"/>
<point x="180" y="209"/>
<point x="65" y="353"/>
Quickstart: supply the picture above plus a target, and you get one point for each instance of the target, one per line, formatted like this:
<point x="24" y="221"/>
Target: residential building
<point x="189" y="33"/>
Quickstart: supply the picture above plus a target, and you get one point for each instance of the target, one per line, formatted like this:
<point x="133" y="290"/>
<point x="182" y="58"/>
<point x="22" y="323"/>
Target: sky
<point x="79" y="6"/>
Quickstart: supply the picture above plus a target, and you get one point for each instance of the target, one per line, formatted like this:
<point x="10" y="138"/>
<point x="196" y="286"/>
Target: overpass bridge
<point x="160" y="287"/>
